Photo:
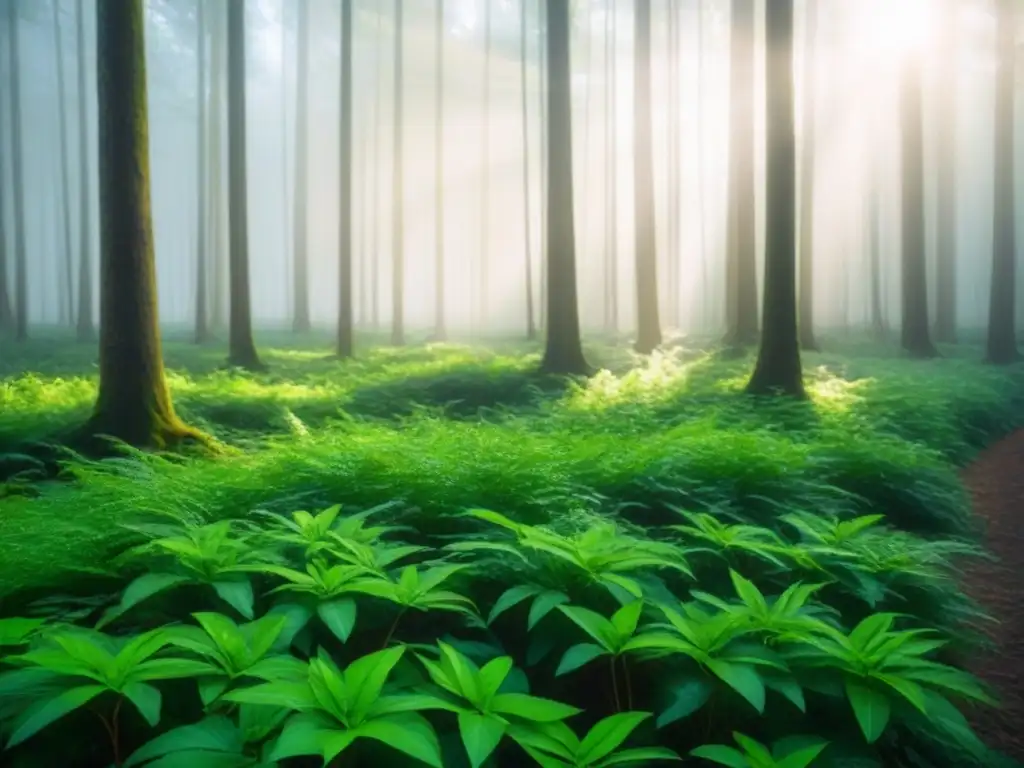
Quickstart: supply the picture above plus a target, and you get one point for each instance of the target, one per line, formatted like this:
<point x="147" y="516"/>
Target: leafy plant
<point x="786" y="753"/>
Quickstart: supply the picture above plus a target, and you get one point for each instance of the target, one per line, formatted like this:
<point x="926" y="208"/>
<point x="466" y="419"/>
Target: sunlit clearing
<point x="657" y="380"/>
<point x="828" y="389"/>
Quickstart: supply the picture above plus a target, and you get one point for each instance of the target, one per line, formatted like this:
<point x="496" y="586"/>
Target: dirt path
<point x="996" y="484"/>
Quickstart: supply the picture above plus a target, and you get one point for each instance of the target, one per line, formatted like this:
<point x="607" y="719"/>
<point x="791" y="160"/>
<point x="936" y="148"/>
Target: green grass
<point x="444" y="427"/>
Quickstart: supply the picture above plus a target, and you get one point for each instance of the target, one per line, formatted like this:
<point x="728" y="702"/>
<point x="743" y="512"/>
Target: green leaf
<point x="50" y="710"/>
<point x="365" y="677"/>
<point x="640" y="756"/>
<point x="748" y="593"/>
<point x="802" y="757"/>
<point x="544" y="603"/>
<point x="742" y="678"/>
<point x="465" y="674"/>
<point x="214" y="734"/>
<point x="146" y="699"/>
<point x="577" y="656"/>
<point x="339" y="616"/>
<point x="296" y="617"/>
<point x="625" y="619"/>
<point x="688" y="698"/>
<point x="297" y="696"/>
<point x="210" y="688"/>
<point x="16" y="631"/>
<point x="870" y="707"/>
<point x="606" y="736"/>
<point x="787" y="686"/>
<point x="238" y="594"/>
<point x="304" y="735"/>
<point x="718" y="753"/>
<point x="142" y="588"/>
<point x="409" y="733"/>
<point x="481" y="735"/>
<point x="171" y="669"/>
<point x="532" y="708"/>
<point x="622" y="587"/>
<point x="511" y="598"/>
<point x="594" y="624"/>
<point x="203" y="759"/>
<point x="493" y="674"/>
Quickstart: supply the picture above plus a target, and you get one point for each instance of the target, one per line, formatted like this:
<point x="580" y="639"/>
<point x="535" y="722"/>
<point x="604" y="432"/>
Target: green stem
<point x="114" y="732"/>
<point x="629" y="684"/>
<point x="615" y="685"/>
<point x="394" y="626"/>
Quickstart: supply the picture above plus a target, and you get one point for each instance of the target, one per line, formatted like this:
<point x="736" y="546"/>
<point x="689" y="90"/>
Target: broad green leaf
<point x="481" y="735"/>
<point x="45" y="712"/>
<point x="718" y="753"/>
<point x="608" y="734"/>
<point x="16" y="631"/>
<point x="237" y="593"/>
<point x="594" y="624"/>
<point x="873" y="626"/>
<point x="215" y="734"/>
<point x="142" y="588"/>
<point x="171" y="669"/>
<point x="688" y="698"/>
<point x="339" y="616"/>
<point x="625" y="619"/>
<point x="261" y="635"/>
<point x="296" y="696"/>
<point x="296" y="617"/>
<point x="577" y="656"/>
<point x="532" y="708"/>
<point x="409" y="733"/>
<point x="543" y="604"/>
<point x="465" y="674"/>
<point x="742" y="678"/>
<point x="510" y="598"/>
<point x="365" y="677"/>
<point x="787" y="686"/>
<point x="622" y="586"/>
<point x="871" y="708"/>
<point x="146" y="699"/>
<point x="304" y="735"/>
<point x="748" y="593"/>
<point x="640" y="756"/>
<point x="757" y="752"/>
<point x="493" y="674"/>
<point x="210" y="688"/>
<point x="226" y="634"/>
<point x="803" y="757"/>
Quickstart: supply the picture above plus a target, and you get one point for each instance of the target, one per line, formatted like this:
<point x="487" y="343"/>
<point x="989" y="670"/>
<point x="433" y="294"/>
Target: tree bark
<point x="378" y="49"/>
<point x="545" y="154"/>
<point x="1001" y="348"/>
<point x="202" y="325"/>
<point x="741" y="238"/>
<point x="84" y="324"/>
<point x="440" y="329"/>
<point x="563" y="350"/>
<point x="531" y="328"/>
<point x="300" y="280"/>
<point x="346" y="343"/>
<point x="17" y="176"/>
<point x="778" y="369"/>
<point x="6" y="310"/>
<point x="674" y="172"/>
<point x="807" y="166"/>
<point x="241" y="349"/>
<point x="648" y="335"/>
<point x="916" y="339"/>
<point x="612" y="180"/>
<point x="68" y="310"/>
<point x="217" y="256"/>
<point x="133" y="404"/>
<point x="945" y="288"/>
<point x="398" y="192"/>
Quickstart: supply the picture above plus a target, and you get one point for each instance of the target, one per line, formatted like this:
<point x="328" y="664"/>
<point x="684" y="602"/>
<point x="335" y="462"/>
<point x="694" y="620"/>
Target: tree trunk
<point x="674" y="159"/>
<point x="133" y="403"/>
<point x="916" y="339"/>
<point x="531" y="328"/>
<point x="217" y="255"/>
<point x="17" y="177"/>
<point x="485" y="175"/>
<point x="741" y="245"/>
<point x="202" y="326"/>
<point x="778" y="369"/>
<point x="6" y="310"/>
<point x="945" y="284"/>
<point x="398" y="192"/>
<point x="648" y="335"/>
<point x="1001" y="348"/>
<point x="878" y="326"/>
<point x="84" y="324"/>
<point x="378" y="49"/>
<point x="440" y="330"/>
<point x="545" y="155"/>
<point x="563" y="350"/>
<point x="807" y="166"/>
<point x="300" y="279"/>
<point x="67" y="310"/>
<point x="612" y="179"/>
<point x="241" y="349"/>
<point x="346" y="315"/>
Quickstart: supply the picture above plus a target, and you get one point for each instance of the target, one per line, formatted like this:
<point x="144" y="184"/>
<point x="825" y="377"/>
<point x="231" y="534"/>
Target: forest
<point x="498" y="383"/>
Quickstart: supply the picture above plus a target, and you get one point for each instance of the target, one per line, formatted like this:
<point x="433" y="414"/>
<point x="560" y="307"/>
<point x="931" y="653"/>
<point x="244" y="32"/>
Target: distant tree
<point x="673" y="171"/>
<point x="946" y="218"/>
<point x="611" y="125"/>
<point x="741" y="240"/>
<point x="878" y="324"/>
<point x="563" y="350"/>
<point x="218" y="259"/>
<point x="485" y="175"/>
<point x="378" y="51"/>
<point x="6" y="310"/>
<point x="84" y="323"/>
<point x="807" y="165"/>
<point x="346" y="315"/>
<point x="648" y="324"/>
<point x="531" y="328"/>
<point x="1001" y="348"/>
<point x="133" y="403"/>
<point x="17" y="174"/>
<point x="778" y="369"/>
<point x="300" y="279"/>
<point x="67" y="311"/>
<point x="545" y="154"/>
<point x="440" y="329"/>
<point x="202" y="325"/>
<point x="916" y="339"/>
<point x="398" y="192"/>
<point x="241" y="349"/>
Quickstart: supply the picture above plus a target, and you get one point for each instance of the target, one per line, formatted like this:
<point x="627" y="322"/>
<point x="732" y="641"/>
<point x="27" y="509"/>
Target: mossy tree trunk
<point x="563" y="350"/>
<point x="17" y="175"/>
<point x="946" y="256"/>
<point x="398" y="191"/>
<point x="531" y="327"/>
<point x="301" y="322"/>
<point x="1001" y="347"/>
<point x="133" y="404"/>
<point x="202" y="324"/>
<point x="807" y="166"/>
<point x="346" y="316"/>
<point x="648" y="335"/>
<point x="241" y="349"/>
<point x="440" y="327"/>
<point x="741" y="237"/>
<point x="778" y="369"/>
<point x="915" y="335"/>
<point x="84" y="321"/>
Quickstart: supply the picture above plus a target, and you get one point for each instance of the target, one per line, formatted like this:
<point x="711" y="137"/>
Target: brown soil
<point x="996" y="484"/>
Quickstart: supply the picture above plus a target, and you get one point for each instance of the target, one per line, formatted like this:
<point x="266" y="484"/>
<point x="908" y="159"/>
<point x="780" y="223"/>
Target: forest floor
<point x="439" y="428"/>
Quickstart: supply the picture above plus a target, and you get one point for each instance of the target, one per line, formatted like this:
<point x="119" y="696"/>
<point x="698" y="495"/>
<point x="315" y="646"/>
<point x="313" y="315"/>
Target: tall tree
<point x="67" y="309"/>
<point x="440" y="330"/>
<point x="545" y="154"/>
<point x="531" y="328"/>
<point x="84" y="323"/>
<point x="915" y="335"/>
<point x="878" y="325"/>
<point x="778" y="369"/>
<point x="563" y="349"/>
<point x="202" y="325"/>
<point x="241" y="349"/>
<point x="346" y="315"/>
<point x="807" y="165"/>
<point x="378" y="50"/>
<point x="133" y="403"/>
<point x="300" y="279"/>
<point x="1001" y="348"/>
<point x="6" y="310"/>
<point x="217" y="256"/>
<point x="673" y="172"/>
<point x="945" y="125"/>
<point x="648" y="335"/>
<point x="17" y="175"/>
<point x="611" y="171"/>
<point x="741" y="240"/>
<point x="398" y="192"/>
<point x="485" y="174"/>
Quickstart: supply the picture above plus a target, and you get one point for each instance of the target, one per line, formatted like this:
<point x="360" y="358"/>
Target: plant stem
<point x="629" y="684"/>
<point x="394" y="626"/>
<point x="615" y="684"/>
<point x="114" y="732"/>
